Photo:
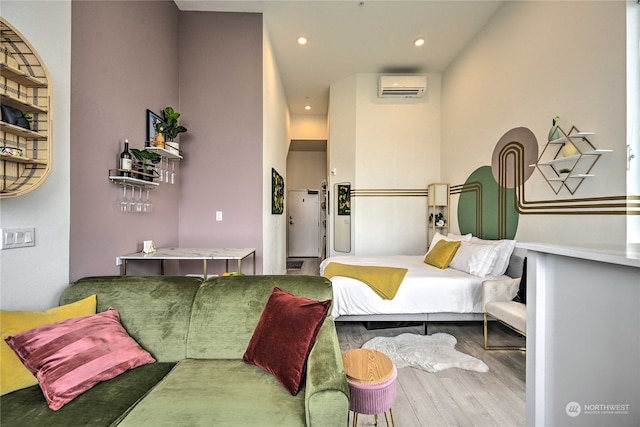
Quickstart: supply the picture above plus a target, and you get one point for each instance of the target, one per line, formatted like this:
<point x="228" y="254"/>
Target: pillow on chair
<point x="521" y="296"/>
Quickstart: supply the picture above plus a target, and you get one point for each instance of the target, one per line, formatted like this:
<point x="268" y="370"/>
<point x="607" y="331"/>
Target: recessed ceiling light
<point x="302" y="40"/>
<point x="419" y="42"/>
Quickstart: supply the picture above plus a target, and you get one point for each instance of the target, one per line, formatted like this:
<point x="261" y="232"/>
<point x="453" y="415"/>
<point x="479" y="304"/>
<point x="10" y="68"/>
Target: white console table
<point x="583" y="335"/>
<point x="203" y="254"/>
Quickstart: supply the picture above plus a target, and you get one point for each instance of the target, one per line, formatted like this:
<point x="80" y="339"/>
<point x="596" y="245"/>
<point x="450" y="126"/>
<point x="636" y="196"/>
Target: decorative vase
<point x="159" y="141"/>
<point x="568" y="149"/>
<point x="173" y="147"/>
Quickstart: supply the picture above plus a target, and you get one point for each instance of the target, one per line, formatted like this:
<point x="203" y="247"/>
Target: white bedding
<point x="425" y="289"/>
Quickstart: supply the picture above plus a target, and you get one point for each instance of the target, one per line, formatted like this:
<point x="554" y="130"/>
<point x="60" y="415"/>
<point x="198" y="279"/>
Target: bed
<point x="427" y="293"/>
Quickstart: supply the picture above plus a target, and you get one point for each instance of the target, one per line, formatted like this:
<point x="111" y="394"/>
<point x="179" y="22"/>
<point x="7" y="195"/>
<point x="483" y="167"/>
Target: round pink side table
<point x="371" y="377"/>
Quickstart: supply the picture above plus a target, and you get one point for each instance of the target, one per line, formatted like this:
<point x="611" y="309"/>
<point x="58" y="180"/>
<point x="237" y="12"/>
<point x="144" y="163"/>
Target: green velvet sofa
<point x="198" y="332"/>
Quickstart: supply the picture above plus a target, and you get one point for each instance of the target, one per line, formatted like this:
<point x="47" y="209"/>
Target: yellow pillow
<point x="442" y="253"/>
<point x="13" y="374"/>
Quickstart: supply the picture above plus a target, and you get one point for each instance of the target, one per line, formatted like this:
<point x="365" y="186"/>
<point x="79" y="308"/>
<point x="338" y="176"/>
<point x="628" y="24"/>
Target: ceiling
<point x="346" y="37"/>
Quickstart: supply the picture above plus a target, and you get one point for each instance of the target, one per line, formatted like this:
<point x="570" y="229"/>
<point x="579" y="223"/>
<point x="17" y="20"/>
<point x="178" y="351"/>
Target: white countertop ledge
<point x="628" y="254"/>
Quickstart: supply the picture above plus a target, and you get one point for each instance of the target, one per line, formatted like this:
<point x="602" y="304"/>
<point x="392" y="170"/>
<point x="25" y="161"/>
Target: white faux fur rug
<point x="431" y="353"/>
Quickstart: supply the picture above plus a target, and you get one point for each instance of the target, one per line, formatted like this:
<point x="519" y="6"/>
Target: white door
<point x="304" y="222"/>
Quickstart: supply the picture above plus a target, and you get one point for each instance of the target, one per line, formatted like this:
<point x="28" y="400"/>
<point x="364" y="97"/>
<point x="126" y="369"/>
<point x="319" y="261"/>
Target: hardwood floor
<point x="453" y="397"/>
<point x="310" y="267"/>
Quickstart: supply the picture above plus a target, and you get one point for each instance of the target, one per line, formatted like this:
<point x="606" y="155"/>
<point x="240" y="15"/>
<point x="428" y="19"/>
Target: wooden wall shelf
<point x="24" y="85"/>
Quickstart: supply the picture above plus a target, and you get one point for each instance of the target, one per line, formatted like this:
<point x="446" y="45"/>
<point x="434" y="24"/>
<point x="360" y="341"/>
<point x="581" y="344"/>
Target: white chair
<point x="497" y="300"/>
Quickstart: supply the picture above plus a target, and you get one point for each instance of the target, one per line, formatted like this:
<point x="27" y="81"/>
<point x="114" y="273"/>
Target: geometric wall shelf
<point x="25" y="90"/>
<point x="568" y="160"/>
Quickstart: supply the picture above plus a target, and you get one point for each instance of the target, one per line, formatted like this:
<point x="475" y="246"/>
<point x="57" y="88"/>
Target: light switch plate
<point x="17" y="237"/>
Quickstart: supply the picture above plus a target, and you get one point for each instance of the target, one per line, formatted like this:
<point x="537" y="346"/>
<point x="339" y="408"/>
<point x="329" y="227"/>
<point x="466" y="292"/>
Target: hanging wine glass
<point x="147" y="206"/>
<point x="123" y="203"/>
<point x="132" y="200"/>
<point x="160" y="169"/>
<point x="139" y="202"/>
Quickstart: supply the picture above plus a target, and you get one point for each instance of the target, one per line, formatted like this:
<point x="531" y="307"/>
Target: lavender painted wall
<point x="221" y="101"/>
<point x="123" y="61"/>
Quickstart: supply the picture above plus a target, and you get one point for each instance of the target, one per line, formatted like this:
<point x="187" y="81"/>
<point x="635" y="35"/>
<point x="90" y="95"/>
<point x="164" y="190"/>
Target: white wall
<point x="306" y="170"/>
<point x="341" y="152"/>
<point x="385" y="144"/>
<point x="275" y="145"/>
<point x="33" y="278"/>
<point x="633" y="113"/>
<point x="309" y="126"/>
<point x="533" y="61"/>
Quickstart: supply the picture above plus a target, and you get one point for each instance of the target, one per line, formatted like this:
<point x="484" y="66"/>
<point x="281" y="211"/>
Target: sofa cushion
<point x="102" y="406"/>
<point x="13" y="374"/>
<point x="511" y="312"/>
<point x="228" y="393"/>
<point x="225" y="334"/>
<point x="155" y="310"/>
<point x="284" y="336"/>
<point x="72" y="356"/>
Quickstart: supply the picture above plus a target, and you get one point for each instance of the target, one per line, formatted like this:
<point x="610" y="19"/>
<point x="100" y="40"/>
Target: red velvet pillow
<point x="284" y="336"/>
<point x="71" y="356"/>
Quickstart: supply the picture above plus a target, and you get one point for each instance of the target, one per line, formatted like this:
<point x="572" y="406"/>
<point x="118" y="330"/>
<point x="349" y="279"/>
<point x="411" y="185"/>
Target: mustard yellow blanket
<point x="385" y="281"/>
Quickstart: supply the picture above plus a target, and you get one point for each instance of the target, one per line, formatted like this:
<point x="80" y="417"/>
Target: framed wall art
<point x="152" y="120"/>
<point x="277" y="193"/>
<point x="344" y="199"/>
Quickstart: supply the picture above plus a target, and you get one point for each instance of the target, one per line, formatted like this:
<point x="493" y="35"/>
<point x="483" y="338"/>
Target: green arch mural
<point x="485" y="209"/>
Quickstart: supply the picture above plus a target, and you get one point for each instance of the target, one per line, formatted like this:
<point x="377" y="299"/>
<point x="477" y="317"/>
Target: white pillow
<point x="475" y="258"/>
<point x="450" y="237"/>
<point x="505" y="249"/>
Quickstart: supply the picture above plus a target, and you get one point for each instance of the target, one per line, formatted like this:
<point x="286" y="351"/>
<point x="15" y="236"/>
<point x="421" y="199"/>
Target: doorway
<point x="303" y="229"/>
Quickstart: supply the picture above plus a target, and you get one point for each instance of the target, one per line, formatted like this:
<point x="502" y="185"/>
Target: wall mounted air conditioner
<point x="402" y="86"/>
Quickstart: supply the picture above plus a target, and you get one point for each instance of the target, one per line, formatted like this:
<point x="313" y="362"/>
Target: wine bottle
<point x="125" y="160"/>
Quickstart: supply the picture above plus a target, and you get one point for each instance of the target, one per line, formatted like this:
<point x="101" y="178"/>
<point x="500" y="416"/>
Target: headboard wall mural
<point x="487" y="207"/>
<point x="492" y="198"/>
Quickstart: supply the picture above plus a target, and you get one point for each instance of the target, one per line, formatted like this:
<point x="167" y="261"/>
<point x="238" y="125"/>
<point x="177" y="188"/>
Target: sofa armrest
<point x="499" y="290"/>
<point x="326" y="390"/>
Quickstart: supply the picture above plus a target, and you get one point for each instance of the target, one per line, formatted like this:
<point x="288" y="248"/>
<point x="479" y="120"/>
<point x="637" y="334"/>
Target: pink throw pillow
<point x="285" y="335"/>
<point x="70" y="357"/>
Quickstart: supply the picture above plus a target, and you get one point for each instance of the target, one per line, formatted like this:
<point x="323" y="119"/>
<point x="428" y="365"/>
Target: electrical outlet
<point x="17" y="237"/>
<point x="218" y="215"/>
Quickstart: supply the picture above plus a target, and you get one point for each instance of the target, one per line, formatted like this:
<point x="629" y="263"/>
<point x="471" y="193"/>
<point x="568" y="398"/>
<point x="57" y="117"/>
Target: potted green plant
<point x="145" y="164"/>
<point x="439" y="217"/>
<point x="564" y="172"/>
<point x="170" y="129"/>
